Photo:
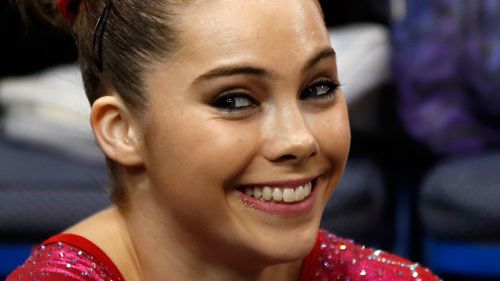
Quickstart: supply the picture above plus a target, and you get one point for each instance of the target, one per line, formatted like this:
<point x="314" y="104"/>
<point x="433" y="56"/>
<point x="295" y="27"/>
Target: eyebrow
<point x="326" y="53"/>
<point x="226" y="71"/>
<point x="232" y="71"/>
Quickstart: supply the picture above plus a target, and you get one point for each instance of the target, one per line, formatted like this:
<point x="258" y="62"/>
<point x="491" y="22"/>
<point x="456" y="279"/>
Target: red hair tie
<point x="68" y="8"/>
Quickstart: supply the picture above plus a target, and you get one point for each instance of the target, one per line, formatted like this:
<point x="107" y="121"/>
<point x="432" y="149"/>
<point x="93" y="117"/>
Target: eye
<point x="324" y="89"/>
<point x="234" y="102"/>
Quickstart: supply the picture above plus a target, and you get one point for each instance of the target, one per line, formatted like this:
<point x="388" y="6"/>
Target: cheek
<point x="192" y="161"/>
<point x="332" y="132"/>
<point x="197" y="151"/>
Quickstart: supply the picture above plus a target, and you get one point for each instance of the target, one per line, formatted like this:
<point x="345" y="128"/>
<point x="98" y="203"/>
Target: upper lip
<point x="281" y="183"/>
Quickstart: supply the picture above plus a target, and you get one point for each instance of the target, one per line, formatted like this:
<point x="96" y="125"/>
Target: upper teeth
<point x="277" y="194"/>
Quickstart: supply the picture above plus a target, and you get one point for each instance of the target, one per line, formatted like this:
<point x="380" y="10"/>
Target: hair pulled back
<point x="137" y="34"/>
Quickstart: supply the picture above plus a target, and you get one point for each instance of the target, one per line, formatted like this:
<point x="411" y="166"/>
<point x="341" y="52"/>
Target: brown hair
<point x="137" y="33"/>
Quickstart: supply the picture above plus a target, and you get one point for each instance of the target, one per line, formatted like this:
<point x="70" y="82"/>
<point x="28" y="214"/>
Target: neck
<point x="162" y="251"/>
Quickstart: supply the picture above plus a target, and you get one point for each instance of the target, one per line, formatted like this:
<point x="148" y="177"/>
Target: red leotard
<point x="69" y="257"/>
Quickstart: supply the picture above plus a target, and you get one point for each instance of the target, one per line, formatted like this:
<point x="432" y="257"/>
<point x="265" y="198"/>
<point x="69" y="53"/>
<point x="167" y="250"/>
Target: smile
<point x="286" y="198"/>
<point x="280" y="194"/>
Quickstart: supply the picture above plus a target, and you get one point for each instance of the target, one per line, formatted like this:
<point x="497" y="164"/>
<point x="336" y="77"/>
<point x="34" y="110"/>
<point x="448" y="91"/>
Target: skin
<point x="183" y="160"/>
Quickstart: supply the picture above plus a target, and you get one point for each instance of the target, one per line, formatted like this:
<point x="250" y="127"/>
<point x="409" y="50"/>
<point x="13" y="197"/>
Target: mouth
<point x="290" y="198"/>
<point x="280" y="194"/>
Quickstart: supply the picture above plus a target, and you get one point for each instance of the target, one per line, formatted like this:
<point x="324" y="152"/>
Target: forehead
<point x="229" y="30"/>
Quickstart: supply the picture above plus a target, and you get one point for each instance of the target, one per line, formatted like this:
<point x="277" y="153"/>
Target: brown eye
<point x="320" y="90"/>
<point x="234" y="102"/>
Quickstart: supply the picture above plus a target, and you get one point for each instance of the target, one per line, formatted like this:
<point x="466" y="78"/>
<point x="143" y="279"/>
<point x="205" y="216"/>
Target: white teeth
<point x="249" y="191"/>
<point x="267" y="193"/>
<point x="299" y="194"/>
<point x="257" y="193"/>
<point x="277" y="195"/>
<point x="308" y="188"/>
<point x="288" y="195"/>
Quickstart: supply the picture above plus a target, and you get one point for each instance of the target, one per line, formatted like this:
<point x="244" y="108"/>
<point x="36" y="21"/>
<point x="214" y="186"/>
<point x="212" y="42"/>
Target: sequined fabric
<point x="335" y="258"/>
<point x="72" y="258"/>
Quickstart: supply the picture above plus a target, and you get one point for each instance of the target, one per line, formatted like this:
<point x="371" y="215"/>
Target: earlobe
<point x="114" y="131"/>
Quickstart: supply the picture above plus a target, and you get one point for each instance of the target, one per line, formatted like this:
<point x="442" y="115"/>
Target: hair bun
<point x="60" y="13"/>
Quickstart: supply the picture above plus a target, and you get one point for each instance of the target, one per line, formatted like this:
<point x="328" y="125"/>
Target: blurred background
<point x="422" y="82"/>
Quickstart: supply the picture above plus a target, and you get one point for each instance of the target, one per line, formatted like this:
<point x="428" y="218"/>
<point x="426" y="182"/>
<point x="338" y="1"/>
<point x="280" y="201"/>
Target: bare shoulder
<point x="106" y="229"/>
<point x="108" y="232"/>
<point x="98" y="227"/>
<point x="71" y="258"/>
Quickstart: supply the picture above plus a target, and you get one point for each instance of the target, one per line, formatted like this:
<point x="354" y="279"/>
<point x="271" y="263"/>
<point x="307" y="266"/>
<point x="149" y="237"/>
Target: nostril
<point x="287" y="157"/>
<point x="291" y="157"/>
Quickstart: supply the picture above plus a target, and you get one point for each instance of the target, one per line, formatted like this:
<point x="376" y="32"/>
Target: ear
<point x="115" y="131"/>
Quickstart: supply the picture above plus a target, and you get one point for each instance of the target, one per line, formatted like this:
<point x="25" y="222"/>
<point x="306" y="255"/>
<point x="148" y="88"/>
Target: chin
<point x="268" y="237"/>
<point x="283" y="245"/>
<point x="295" y="249"/>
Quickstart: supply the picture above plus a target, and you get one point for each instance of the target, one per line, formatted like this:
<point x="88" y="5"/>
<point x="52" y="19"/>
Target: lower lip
<point x="281" y="209"/>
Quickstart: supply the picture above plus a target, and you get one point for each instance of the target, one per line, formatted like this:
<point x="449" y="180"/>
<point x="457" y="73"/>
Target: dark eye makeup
<point x="240" y="101"/>
<point x="320" y="90"/>
<point x="234" y="101"/>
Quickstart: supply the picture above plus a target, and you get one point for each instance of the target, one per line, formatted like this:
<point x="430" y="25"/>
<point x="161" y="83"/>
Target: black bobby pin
<point x="99" y="30"/>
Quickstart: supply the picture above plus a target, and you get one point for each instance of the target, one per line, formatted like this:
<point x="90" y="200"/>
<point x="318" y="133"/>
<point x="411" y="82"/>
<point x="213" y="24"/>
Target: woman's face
<point x="246" y="115"/>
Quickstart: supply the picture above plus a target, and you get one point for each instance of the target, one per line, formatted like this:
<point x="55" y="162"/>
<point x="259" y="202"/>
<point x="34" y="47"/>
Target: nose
<point x="288" y="137"/>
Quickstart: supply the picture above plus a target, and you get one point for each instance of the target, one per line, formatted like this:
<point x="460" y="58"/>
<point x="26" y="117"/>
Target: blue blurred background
<point x="422" y="82"/>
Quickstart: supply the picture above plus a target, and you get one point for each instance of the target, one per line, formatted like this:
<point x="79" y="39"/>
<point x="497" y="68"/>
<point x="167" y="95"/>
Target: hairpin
<point x="99" y="30"/>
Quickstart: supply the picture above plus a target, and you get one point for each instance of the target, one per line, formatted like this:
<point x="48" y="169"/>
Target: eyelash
<point x="224" y="102"/>
<point x="331" y="91"/>
<point x="228" y="101"/>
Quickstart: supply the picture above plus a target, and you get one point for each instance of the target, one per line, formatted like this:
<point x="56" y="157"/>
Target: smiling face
<point x="246" y="115"/>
